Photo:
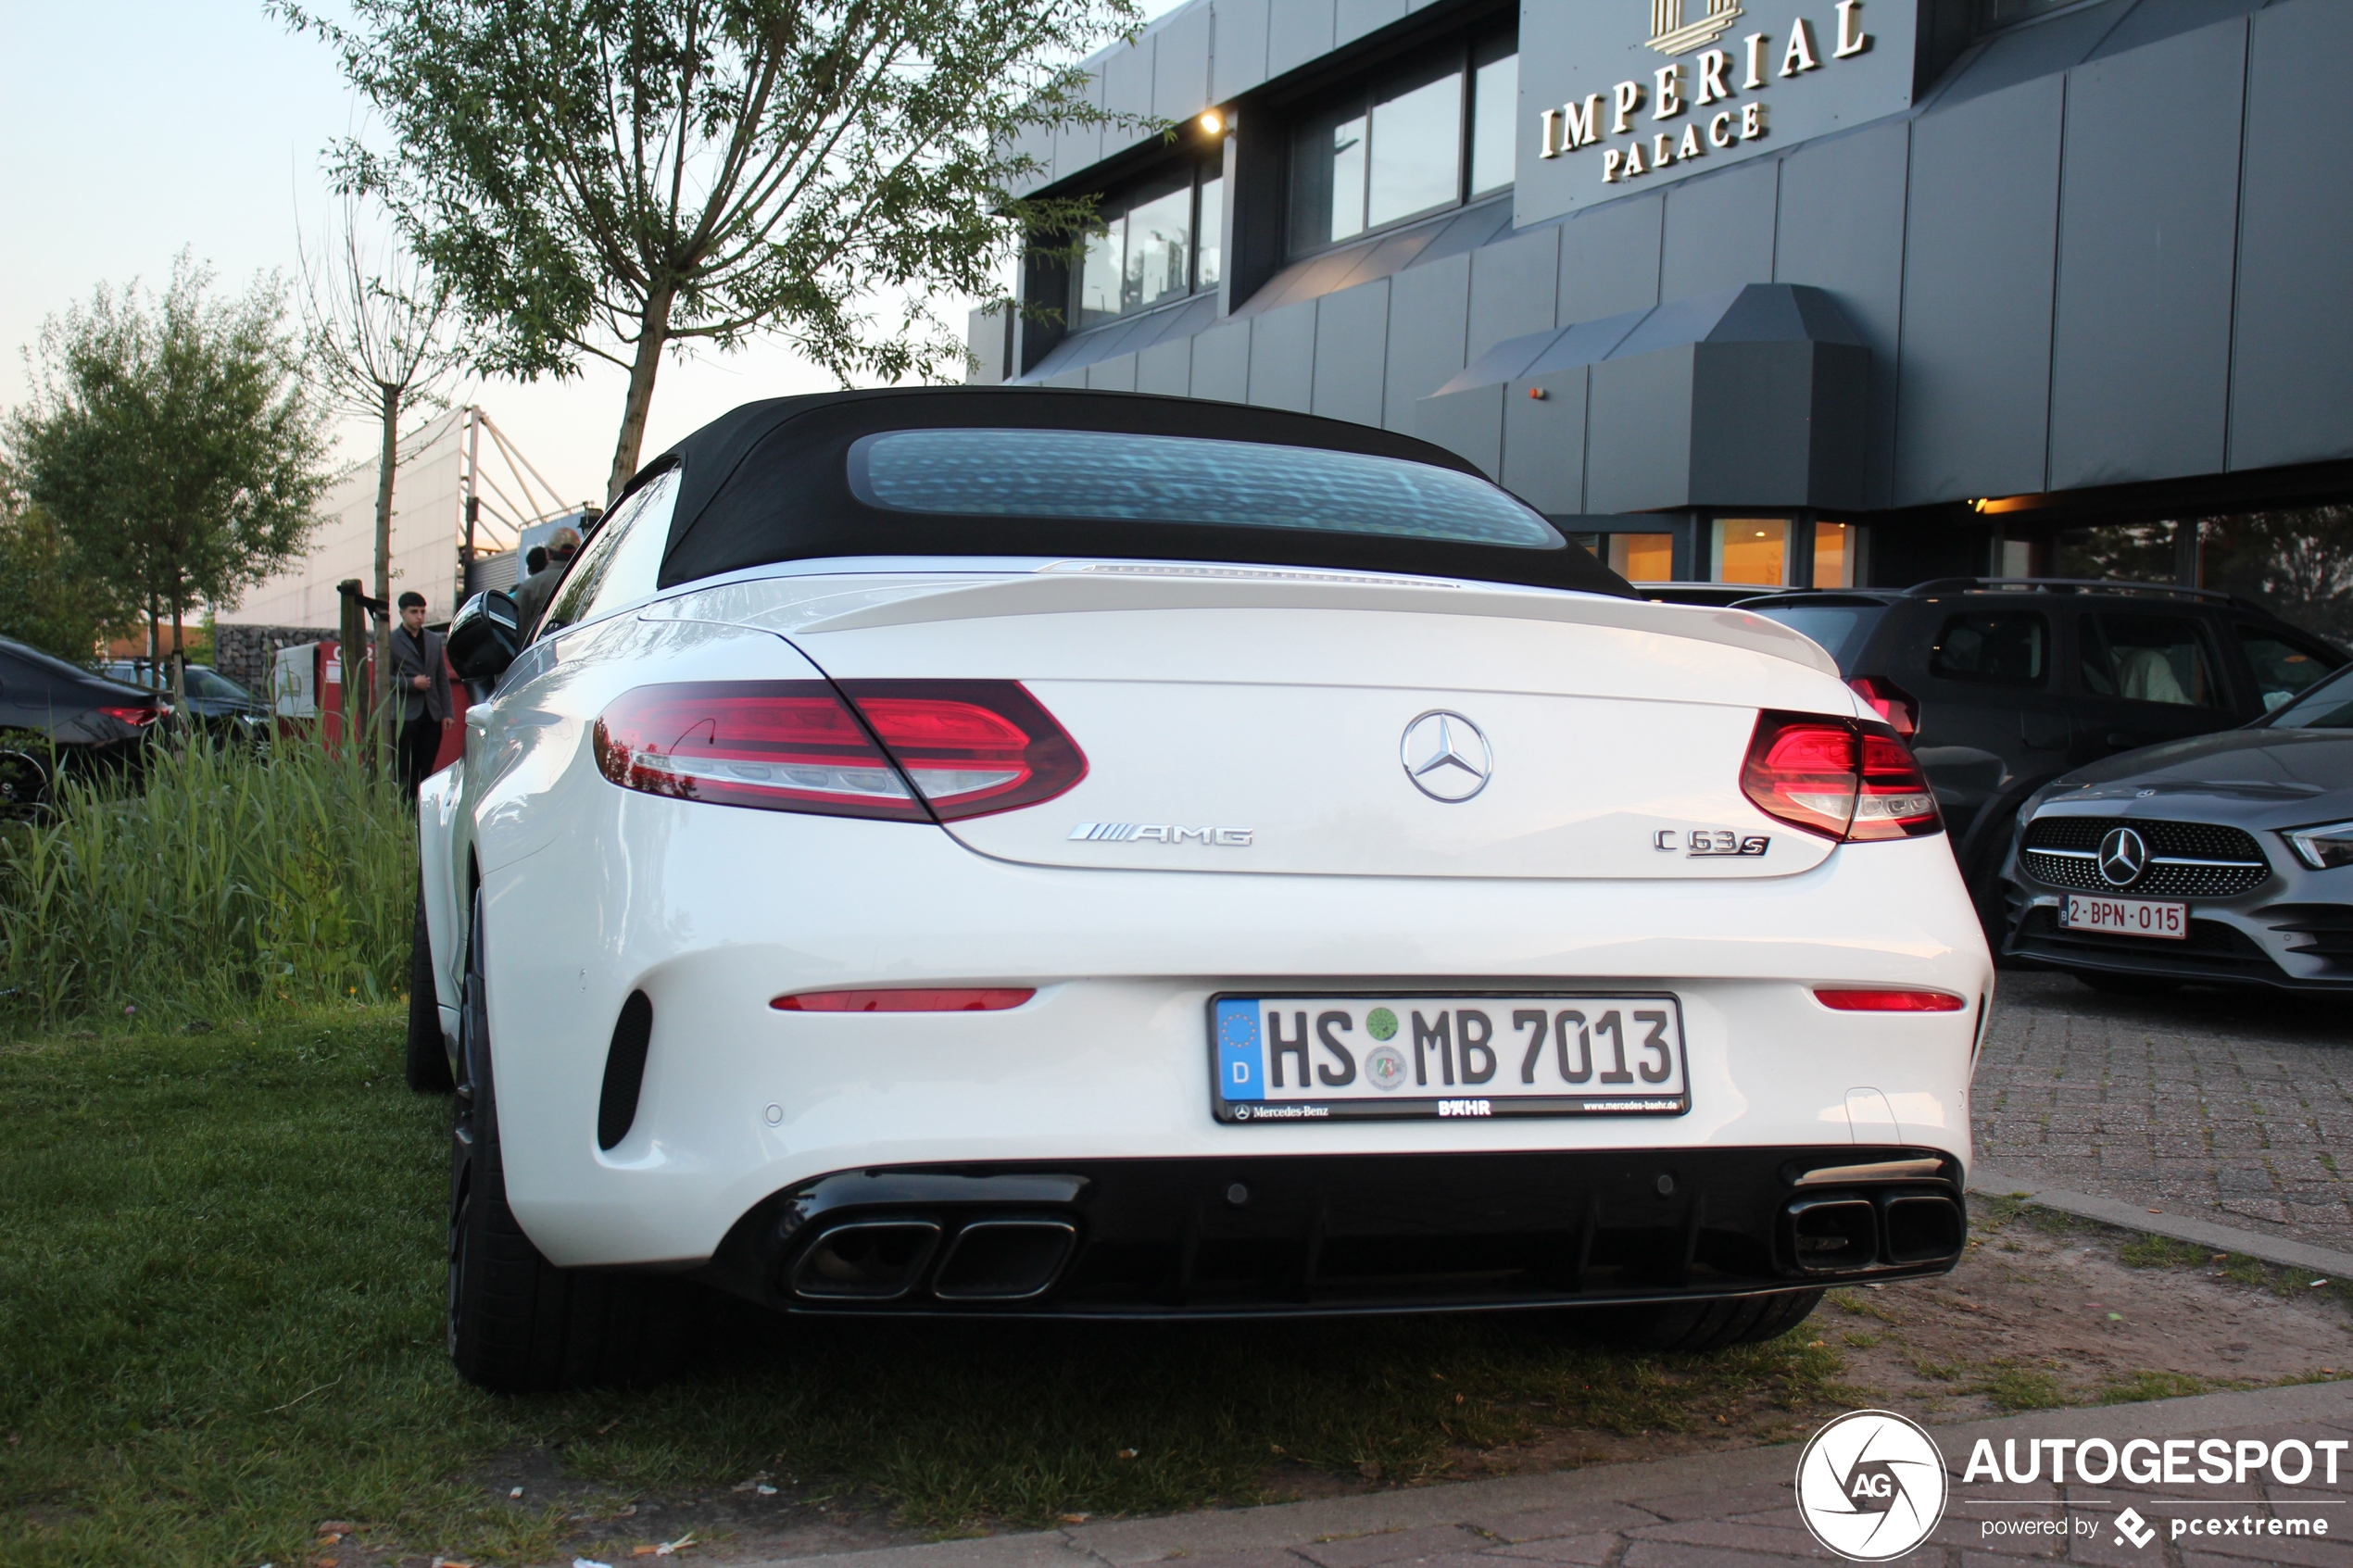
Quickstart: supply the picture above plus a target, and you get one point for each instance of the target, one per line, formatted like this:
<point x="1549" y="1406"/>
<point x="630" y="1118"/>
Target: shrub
<point x="218" y="880"/>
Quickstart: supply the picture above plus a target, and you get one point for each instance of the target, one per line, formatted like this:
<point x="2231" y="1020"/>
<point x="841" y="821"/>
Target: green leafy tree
<point x="47" y="596"/>
<point x="611" y="178"/>
<point x="173" y="441"/>
<point x="2296" y="562"/>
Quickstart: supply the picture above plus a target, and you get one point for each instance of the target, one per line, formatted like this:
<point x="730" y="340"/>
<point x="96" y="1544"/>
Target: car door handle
<point x="2122" y="741"/>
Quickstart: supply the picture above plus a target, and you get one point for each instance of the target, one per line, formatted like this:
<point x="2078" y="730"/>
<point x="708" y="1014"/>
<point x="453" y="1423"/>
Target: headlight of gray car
<point x="2320" y="848"/>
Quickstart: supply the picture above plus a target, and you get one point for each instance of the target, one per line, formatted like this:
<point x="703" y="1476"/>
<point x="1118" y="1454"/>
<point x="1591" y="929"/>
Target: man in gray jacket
<point x="533" y="593"/>
<point x="421" y="682"/>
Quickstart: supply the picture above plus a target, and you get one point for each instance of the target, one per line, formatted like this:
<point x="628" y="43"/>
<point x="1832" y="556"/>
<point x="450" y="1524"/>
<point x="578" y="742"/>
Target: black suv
<point x="2003" y="684"/>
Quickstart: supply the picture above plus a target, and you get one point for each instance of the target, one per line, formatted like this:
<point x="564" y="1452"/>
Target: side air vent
<point x="625" y="1069"/>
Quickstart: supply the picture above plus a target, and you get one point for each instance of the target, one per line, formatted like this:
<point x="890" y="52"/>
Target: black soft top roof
<point x="770" y="482"/>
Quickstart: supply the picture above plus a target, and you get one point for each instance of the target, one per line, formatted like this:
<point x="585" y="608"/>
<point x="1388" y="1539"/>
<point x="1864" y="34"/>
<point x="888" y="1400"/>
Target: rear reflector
<point x="968" y="747"/>
<point x="1846" y="779"/>
<point x="981" y="999"/>
<point x="1891" y="1001"/>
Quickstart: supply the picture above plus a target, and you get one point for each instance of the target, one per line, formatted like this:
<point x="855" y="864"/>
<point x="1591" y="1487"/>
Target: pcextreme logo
<point x="1870" y="1485"/>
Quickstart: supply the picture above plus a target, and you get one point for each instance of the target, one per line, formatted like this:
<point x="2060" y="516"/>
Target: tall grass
<point x="219" y="882"/>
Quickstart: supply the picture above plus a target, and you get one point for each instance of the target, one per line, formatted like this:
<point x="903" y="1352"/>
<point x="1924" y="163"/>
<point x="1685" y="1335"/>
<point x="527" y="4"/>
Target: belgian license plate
<point x="1434" y="1057"/>
<point x="2126" y="917"/>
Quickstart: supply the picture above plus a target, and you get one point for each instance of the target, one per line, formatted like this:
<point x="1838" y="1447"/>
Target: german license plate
<point x="1436" y="1057"/>
<point x="2126" y="917"/>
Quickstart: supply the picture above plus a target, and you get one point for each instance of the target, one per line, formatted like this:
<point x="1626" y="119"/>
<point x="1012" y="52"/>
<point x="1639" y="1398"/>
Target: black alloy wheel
<point x="517" y="1324"/>
<point x="426" y="1060"/>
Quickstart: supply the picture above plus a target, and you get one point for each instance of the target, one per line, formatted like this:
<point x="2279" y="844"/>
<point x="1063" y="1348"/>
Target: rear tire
<point x="427" y="1061"/>
<point x="1702" y="1327"/>
<point x="517" y="1323"/>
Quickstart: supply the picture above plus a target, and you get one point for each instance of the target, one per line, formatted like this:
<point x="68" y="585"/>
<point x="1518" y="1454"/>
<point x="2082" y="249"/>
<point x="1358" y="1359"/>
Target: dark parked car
<point x="53" y="715"/>
<point x="2001" y="684"/>
<point x="1716" y="593"/>
<point x="2226" y="858"/>
<point x="216" y="704"/>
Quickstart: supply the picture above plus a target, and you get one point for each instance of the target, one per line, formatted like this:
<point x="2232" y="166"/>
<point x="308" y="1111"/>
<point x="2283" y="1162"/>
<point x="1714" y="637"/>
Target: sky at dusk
<point x="136" y="128"/>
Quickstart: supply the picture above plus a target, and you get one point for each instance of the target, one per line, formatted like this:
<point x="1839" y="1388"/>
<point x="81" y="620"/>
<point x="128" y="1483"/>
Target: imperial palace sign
<point x="1615" y="106"/>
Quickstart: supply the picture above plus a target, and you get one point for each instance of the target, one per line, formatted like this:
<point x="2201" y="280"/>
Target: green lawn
<point x="219" y="1324"/>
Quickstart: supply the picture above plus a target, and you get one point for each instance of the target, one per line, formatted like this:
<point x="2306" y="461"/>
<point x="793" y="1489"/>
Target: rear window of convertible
<point x="1173" y="479"/>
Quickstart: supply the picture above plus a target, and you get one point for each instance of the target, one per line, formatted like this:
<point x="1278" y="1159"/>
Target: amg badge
<point x="1161" y="833"/>
<point x="1710" y="842"/>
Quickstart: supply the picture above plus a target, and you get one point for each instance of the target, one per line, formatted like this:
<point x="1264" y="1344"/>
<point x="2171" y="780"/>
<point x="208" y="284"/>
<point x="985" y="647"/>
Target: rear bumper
<point x="1278" y="1236"/>
<point x="710" y="912"/>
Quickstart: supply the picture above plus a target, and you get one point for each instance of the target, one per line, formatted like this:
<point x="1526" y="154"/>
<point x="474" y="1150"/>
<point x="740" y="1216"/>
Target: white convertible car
<point x="1004" y="851"/>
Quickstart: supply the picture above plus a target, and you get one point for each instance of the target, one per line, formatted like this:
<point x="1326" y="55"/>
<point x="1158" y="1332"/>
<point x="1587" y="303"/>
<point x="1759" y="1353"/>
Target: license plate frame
<point x="1508" y="1043"/>
<point x="2147" y="917"/>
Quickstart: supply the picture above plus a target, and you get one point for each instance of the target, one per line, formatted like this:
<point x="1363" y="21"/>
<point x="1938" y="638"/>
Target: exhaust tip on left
<point x="867" y="1260"/>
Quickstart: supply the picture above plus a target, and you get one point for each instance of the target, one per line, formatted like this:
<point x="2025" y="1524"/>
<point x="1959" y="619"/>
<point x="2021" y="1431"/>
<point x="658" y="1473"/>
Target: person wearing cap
<point x="534" y="593"/>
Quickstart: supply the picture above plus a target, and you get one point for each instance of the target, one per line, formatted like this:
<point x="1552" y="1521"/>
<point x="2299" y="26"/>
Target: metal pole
<point x="473" y="499"/>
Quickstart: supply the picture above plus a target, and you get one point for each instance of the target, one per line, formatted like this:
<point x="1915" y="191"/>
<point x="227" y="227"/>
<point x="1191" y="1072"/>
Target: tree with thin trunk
<point x="173" y="440"/>
<point x="378" y="338"/>
<point x="613" y="178"/>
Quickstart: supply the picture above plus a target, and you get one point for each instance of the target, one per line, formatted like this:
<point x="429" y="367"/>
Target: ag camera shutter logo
<point x="1871" y="1485"/>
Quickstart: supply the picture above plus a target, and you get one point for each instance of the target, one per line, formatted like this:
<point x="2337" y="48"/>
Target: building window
<point x="1642" y="558"/>
<point x="1164" y="243"/>
<point x="1839" y="549"/>
<point x="1752" y="549"/>
<point x="1414" y="142"/>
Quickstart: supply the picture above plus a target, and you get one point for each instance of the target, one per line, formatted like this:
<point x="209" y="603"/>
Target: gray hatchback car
<point x="2222" y="859"/>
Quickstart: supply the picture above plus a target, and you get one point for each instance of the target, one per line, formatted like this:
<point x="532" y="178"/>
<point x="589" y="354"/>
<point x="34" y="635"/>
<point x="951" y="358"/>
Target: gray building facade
<point x="1800" y="291"/>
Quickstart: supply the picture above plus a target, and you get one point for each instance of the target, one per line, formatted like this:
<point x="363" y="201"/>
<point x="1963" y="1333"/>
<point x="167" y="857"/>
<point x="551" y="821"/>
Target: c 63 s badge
<point x="1163" y="832"/>
<point x="1695" y="843"/>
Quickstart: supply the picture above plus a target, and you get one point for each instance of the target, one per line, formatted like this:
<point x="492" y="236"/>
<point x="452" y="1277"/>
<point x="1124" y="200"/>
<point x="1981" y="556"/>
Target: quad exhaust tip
<point x="885" y="1260"/>
<point x="867" y="1260"/>
<point x="1840" y="1232"/>
<point x="1005" y="1260"/>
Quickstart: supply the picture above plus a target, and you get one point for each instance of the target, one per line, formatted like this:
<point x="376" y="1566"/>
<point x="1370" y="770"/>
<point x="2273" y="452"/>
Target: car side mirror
<point x="484" y="636"/>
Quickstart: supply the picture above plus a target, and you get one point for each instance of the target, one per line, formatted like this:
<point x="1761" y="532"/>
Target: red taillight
<point x="135" y="717"/>
<point x="972" y="746"/>
<point x="969" y="998"/>
<point x="1891" y="702"/>
<point x="969" y="747"/>
<point x="783" y="746"/>
<point x="1844" y="779"/>
<point x="1890" y="1001"/>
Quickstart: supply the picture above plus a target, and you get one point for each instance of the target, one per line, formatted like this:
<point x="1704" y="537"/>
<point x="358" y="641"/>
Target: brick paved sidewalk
<point x="1728" y="1511"/>
<point x="2224" y="1106"/>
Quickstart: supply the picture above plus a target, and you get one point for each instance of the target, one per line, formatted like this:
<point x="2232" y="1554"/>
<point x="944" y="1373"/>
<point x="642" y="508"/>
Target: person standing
<point x="420" y="676"/>
<point x="533" y="593"/>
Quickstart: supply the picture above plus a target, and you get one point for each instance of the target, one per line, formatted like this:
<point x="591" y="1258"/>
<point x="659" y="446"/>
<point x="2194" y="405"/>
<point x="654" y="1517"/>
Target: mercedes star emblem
<point x="2122" y="857"/>
<point x="1446" y="756"/>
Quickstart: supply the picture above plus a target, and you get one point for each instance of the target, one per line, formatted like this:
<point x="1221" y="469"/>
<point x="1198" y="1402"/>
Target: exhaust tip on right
<point x="1006" y="1260"/>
